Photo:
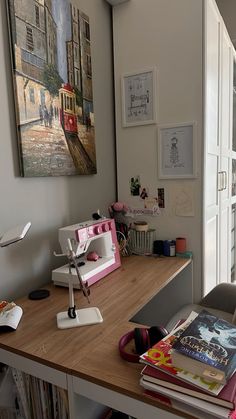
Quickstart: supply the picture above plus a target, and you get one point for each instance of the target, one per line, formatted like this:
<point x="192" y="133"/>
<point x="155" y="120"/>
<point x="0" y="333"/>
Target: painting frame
<point x="177" y="150"/>
<point x="52" y="92"/>
<point x="139" y="99"/>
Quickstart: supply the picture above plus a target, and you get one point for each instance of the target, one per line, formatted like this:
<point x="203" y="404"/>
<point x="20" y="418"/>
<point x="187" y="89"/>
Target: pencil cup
<point x="180" y="245"/>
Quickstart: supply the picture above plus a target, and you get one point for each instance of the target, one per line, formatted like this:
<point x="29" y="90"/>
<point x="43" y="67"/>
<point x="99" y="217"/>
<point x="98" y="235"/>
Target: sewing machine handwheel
<point x="72" y="312"/>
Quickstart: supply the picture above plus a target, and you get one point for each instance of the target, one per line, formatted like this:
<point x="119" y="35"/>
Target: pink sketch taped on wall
<point x="52" y="76"/>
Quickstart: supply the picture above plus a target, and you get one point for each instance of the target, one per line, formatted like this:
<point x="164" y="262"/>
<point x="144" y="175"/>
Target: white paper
<point x="183" y="201"/>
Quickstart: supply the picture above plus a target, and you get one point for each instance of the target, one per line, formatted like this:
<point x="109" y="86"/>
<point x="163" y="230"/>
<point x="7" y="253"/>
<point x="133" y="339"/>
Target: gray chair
<point x="221" y="301"/>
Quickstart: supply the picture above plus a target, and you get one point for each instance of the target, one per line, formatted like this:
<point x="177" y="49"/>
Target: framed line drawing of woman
<point x="176" y="150"/>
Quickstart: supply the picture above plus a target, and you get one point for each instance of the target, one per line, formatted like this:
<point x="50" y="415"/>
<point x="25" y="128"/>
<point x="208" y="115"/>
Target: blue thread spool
<point x="169" y="248"/>
<point x="166" y="247"/>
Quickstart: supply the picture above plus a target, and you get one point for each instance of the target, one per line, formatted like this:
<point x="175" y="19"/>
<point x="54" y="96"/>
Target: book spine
<point x="180" y="406"/>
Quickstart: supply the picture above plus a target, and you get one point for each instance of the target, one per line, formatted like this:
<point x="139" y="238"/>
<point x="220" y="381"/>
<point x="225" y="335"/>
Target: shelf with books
<point x="39" y="399"/>
<point x="7" y="394"/>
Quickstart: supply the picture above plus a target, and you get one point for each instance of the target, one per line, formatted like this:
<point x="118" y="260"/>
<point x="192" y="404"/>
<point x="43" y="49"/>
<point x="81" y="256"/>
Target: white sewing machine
<point x="96" y="243"/>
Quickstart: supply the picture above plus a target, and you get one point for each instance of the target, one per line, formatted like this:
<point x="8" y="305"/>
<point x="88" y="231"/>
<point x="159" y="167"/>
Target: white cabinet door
<point x="217" y="152"/>
<point x="233" y="178"/>
<point x="212" y="147"/>
<point x="225" y="139"/>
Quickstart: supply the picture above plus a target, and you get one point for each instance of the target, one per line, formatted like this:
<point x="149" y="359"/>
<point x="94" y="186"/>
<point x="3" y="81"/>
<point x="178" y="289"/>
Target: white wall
<point x="166" y="34"/>
<point x="50" y="203"/>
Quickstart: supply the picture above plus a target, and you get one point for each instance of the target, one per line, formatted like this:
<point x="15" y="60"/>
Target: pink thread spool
<point x="180" y="245"/>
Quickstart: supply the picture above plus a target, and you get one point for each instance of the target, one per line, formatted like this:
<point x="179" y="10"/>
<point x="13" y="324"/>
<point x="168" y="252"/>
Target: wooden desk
<point x="85" y="360"/>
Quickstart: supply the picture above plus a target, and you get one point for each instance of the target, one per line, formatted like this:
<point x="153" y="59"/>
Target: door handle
<point x="220" y="181"/>
<point x="224" y="180"/>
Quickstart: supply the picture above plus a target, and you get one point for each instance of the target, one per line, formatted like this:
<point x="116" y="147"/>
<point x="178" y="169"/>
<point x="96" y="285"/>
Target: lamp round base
<point x="84" y="317"/>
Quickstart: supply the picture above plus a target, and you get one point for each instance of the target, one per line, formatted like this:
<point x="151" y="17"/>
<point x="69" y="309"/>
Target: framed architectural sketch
<point x="139" y="98"/>
<point x="52" y="75"/>
<point x="176" y="151"/>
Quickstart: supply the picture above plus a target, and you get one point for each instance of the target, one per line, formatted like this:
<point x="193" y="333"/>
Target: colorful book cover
<point x="211" y="341"/>
<point x="159" y="356"/>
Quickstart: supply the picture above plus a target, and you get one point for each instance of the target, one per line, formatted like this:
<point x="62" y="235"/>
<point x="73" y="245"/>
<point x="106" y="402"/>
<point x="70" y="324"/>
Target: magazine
<point x="10" y="317"/>
<point x="159" y="356"/>
<point x="207" y="348"/>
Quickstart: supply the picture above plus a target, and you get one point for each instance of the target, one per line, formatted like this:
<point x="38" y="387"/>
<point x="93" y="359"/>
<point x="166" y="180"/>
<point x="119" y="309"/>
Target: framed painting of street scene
<point x="52" y="75"/>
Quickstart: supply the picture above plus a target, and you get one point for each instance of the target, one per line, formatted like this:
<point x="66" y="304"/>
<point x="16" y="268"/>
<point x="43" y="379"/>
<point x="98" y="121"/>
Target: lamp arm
<point x="71" y="310"/>
<point x="71" y="256"/>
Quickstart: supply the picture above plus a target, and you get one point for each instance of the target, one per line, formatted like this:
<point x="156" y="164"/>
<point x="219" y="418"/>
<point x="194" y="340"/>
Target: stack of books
<point x="38" y="399"/>
<point x="194" y="367"/>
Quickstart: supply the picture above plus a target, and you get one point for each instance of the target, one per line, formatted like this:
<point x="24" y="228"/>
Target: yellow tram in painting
<point x="68" y="116"/>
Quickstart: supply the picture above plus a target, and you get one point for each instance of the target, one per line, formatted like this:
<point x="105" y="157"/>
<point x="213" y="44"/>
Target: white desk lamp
<point x="14" y="235"/>
<point x="73" y="317"/>
<point x="11" y="313"/>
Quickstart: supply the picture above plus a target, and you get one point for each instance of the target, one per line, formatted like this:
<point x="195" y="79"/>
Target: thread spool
<point x="169" y="248"/>
<point x="180" y="245"/>
<point x="172" y="248"/>
<point x="158" y="247"/>
<point x="141" y="226"/>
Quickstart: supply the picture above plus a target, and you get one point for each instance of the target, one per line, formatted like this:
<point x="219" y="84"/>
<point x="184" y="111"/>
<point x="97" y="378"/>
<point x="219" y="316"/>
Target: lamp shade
<point x="14" y="235"/>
